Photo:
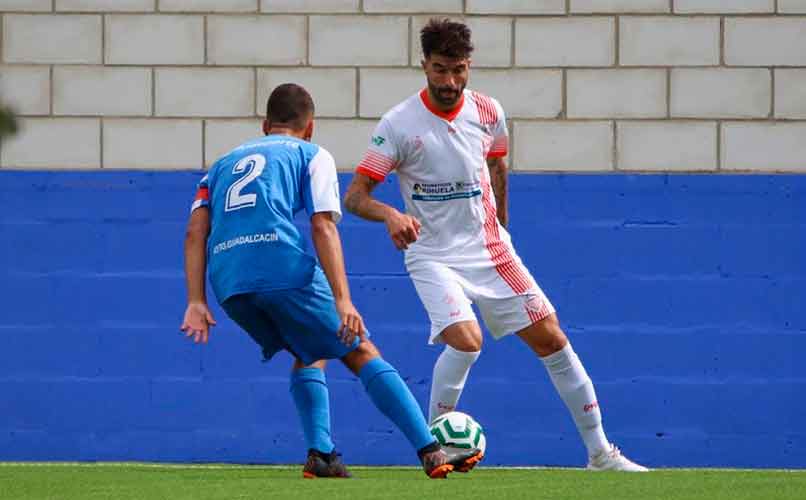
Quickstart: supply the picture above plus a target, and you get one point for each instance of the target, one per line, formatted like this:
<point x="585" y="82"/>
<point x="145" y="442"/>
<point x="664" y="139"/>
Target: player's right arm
<point x="403" y="228"/>
<point x="382" y="156"/>
<point x="198" y="318"/>
<point x="322" y="203"/>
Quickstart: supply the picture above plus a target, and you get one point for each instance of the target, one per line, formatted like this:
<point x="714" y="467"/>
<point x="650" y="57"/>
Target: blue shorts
<point x="303" y="321"/>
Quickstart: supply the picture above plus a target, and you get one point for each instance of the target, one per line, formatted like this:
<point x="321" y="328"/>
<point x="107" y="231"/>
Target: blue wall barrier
<point x="683" y="295"/>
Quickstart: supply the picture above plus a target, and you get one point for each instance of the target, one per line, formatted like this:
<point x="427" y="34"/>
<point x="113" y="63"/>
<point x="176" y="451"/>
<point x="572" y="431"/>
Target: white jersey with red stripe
<point x="463" y="254"/>
<point x="441" y="164"/>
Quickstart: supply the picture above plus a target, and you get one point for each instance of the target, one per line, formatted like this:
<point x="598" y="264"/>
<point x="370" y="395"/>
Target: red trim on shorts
<point x="450" y="115"/>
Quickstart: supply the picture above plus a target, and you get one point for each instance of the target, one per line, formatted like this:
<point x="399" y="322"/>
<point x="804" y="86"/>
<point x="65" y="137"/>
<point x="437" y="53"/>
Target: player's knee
<point x="465" y="337"/>
<point x="367" y="349"/>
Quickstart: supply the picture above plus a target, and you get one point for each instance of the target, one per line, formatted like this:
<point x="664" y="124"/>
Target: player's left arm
<point x="198" y="318"/>
<point x="498" y="179"/>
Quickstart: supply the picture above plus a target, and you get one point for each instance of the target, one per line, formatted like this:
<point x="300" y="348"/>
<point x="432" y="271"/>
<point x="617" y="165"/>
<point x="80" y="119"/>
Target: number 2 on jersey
<point x="253" y="166"/>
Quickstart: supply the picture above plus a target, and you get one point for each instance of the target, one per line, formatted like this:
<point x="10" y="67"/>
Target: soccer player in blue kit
<point x="241" y="228"/>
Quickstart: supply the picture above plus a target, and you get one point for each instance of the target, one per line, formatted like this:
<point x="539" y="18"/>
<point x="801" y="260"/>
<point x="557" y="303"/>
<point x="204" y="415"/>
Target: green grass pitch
<point x="141" y="481"/>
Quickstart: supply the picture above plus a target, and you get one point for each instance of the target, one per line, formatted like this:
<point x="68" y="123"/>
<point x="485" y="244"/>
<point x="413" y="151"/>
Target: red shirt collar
<point x="449" y="115"/>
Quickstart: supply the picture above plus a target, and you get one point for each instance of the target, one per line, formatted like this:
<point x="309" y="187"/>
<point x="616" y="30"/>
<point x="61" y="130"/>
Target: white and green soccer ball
<point x="458" y="432"/>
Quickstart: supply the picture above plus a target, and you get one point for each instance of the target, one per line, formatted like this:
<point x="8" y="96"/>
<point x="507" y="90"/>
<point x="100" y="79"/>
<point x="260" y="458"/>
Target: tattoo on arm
<point x="360" y="202"/>
<point x="498" y="179"/>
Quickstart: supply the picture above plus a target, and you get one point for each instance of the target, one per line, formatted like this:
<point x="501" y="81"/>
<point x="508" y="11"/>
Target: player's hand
<point x="403" y="229"/>
<point x="352" y="324"/>
<point x="197" y="322"/>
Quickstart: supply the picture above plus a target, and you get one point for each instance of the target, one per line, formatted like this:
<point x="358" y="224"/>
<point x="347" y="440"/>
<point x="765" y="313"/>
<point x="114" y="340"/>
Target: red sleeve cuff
<point x="496" y="154"/>
<point x="369" y="173"/>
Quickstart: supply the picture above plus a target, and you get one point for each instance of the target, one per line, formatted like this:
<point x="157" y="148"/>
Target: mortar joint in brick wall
<point x="615" y="158"/>
<point x="564" y="94"/>
<point x="204" y="38"/>
<point x="722" y="41"/>
<point x="51" y="92"/>
<point x="357" y="91"/>
<point x="617" y="36"/>
<point x="512" y="43"/>
<point x="718" y="145"/>
<point x="101" y="142"/>
<point x="204" y="144"/>
<point x="409" y="41"/>
<point x="669" y="93"/>
<point x="307" y="40"/>
<point x="772" y="93"/>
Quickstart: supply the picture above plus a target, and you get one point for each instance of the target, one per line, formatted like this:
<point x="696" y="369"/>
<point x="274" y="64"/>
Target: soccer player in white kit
<point x="447" y="145"/>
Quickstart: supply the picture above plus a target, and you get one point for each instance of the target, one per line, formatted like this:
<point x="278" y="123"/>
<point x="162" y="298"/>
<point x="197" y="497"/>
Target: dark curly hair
<point x="446" y="38"/>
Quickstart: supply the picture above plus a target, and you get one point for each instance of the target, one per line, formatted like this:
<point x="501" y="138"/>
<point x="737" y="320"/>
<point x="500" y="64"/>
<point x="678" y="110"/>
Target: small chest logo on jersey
<point x="378" y="140"/>
<point x="444" y="191"/>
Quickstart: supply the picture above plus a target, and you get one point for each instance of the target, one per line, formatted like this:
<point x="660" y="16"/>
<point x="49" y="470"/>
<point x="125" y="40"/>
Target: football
<point x="458" y="432"/>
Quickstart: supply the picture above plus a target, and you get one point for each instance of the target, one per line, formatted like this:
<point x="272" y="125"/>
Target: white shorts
<point x="507" y="296"/>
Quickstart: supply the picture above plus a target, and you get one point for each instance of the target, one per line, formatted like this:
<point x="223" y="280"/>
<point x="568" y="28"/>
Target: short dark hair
<point x="291" y="105"/>
<point x="446" y="38"/>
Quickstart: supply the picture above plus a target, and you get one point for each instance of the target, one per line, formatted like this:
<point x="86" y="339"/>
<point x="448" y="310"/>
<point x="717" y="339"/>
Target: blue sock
<point x="391" y="395"/>
<point x="309" y="390"/>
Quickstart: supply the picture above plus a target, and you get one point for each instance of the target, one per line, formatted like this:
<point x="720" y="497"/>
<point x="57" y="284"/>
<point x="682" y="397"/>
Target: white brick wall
<point x="220" y="136"/>
<point x="431" y="6"/>
<point x="59" y="39"/>
<point x="666" y="41"/>
<point x="99" y="91"/>
<point x="585" y="84"/>
<point x="347" y="140"/>
<point x="790" y="93"/>
<point x="333" y="89"/>
<point x="154" y="39"/>
<point x="792" y="6"/>
<point x="587" y="41"/>
<point x="765" y="41"/>
<point x="208" y="5"/>
<point x="721" y="92"/>
<point x="253" y="40"/>
<point x="358" y="41"/>
<point x="723" y="6"/>
<point x="620" y="93"/>
<point x="566" y="145"/>
<point x="309" y="6"/>
<point x="105" y="5"/>
<point x="764" y="146"/>
<point x="492" y="40"/>
<point x="622" y="6"/>
<point x="523" y="93"/>
<point x="152" y="143"/>
<point x="665" y="145"/>
<point x="383" y="88"/>
<point x="25" y="5"/>
<point x="26" y="89"/>
<point x="516" y="6"/>
<point x="58" y="143"/>
<point x="222" y="92"/>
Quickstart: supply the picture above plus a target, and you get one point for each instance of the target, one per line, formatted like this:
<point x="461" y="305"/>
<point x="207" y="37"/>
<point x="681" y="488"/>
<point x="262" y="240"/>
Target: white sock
<point x="576" y="389"/>
<point x="448" y="380"/>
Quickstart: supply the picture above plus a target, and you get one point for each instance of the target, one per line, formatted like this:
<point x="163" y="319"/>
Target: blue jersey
<point x="253" y="193"/>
